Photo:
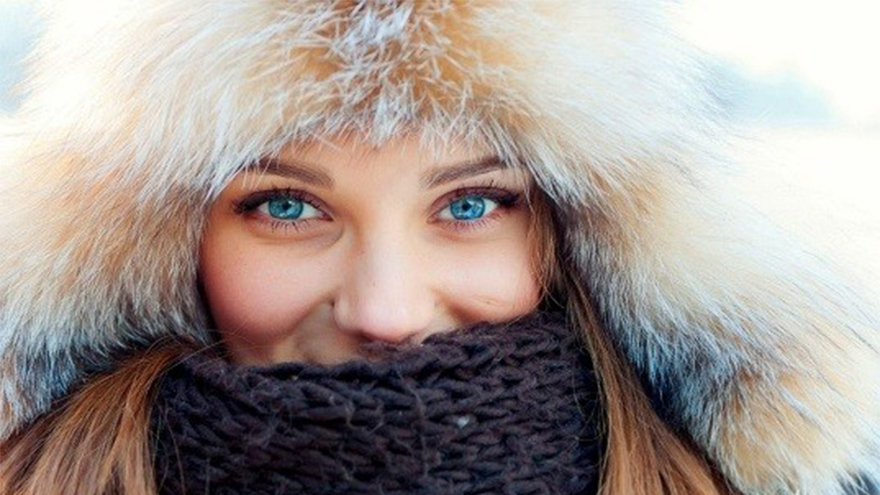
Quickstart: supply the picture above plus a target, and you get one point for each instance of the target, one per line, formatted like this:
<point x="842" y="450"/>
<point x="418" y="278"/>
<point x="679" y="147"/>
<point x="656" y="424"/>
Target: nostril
<point x="391" y="335"/>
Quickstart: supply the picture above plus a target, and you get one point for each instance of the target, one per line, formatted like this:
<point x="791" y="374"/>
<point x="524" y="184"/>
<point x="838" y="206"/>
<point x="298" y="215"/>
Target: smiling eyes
<point x="464" y="210"/>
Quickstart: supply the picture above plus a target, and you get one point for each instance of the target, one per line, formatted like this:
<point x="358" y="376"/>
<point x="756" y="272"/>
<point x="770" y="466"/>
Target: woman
<point x="175" y="140"/>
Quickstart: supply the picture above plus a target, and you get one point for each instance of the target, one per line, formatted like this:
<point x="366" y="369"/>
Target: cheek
<point x="492" y="282"/>
<point x="255" y="292"/>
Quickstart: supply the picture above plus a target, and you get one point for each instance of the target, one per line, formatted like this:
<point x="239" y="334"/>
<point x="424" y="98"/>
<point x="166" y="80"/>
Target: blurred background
<point x="800" y="79"/>
<point x="790" y="63"/>
<point x="18" y="27"/>
<point x="801" y="82"/>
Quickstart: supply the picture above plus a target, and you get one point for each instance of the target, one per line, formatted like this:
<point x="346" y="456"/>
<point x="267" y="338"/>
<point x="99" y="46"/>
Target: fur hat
<point x="140" y="113"/>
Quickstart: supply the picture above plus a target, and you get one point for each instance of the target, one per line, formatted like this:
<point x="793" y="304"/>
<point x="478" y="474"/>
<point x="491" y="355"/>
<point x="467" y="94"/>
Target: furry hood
<point x="139" y="114"/>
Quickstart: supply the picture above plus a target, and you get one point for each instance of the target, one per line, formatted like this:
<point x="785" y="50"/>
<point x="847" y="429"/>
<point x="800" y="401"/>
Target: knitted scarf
<point x="491" y="409"/>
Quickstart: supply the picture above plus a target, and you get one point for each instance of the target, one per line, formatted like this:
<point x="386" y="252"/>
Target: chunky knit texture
<point x="492" y="409"/>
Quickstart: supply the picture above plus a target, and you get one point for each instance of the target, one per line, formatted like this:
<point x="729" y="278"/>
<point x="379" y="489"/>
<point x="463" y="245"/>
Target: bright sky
<point x="833" y="46"/>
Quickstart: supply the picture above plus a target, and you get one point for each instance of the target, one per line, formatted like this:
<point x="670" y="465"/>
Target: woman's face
<point x="336" y="245"/>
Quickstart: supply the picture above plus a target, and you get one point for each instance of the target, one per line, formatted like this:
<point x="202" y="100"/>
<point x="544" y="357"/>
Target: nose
<point x="385" y="293"/>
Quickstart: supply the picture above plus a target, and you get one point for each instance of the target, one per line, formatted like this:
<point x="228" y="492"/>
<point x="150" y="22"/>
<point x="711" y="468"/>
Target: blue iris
<point x="468" y="208"/>
<point x="285" y="209"/>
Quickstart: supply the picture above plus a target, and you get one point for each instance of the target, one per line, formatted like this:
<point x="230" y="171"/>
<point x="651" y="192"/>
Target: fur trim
<point x="139" y="115"/>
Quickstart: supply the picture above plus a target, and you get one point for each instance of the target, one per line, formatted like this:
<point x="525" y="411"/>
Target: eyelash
<point x="505" y="199"/>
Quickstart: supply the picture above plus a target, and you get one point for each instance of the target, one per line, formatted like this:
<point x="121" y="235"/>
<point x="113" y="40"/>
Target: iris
<point x="285" y="209"/>
<point x="468" y="208"/>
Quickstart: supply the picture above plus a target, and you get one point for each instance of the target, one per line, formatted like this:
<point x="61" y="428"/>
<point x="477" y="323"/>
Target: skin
<point x="374" y="256"/>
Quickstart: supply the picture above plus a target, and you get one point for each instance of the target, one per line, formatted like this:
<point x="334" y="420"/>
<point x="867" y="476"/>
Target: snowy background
<point x="802" y="81"/>
<point x="18" y="28"/>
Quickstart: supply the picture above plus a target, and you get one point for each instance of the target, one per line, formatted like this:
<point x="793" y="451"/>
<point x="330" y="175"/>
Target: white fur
<point x="139" y="116"/>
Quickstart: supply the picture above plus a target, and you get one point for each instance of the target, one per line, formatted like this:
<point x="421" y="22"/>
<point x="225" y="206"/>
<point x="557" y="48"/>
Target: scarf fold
<point x="492" y="409"/>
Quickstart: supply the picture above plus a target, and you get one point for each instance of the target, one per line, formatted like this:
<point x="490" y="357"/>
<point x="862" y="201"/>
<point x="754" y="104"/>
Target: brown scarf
<point x="492" y="409"/>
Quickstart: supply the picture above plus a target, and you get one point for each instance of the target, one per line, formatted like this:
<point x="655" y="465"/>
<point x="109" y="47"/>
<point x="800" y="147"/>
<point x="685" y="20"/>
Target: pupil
<point x="468" y="208"/>
<point x="286" y="209"/>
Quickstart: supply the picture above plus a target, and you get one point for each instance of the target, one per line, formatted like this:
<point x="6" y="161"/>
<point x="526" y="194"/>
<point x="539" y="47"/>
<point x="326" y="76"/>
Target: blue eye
<point x="288" y="209"/>
<point x="469" y="208"/>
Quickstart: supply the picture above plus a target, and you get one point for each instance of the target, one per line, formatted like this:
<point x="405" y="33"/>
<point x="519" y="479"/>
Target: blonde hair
<point x="90" y="445"/>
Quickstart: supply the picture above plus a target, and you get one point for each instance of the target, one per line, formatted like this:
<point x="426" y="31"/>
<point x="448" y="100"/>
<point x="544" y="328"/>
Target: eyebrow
<point x="315" y="176"/>
<point x="292" y="170"/>
<point x="461" y="171"/>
